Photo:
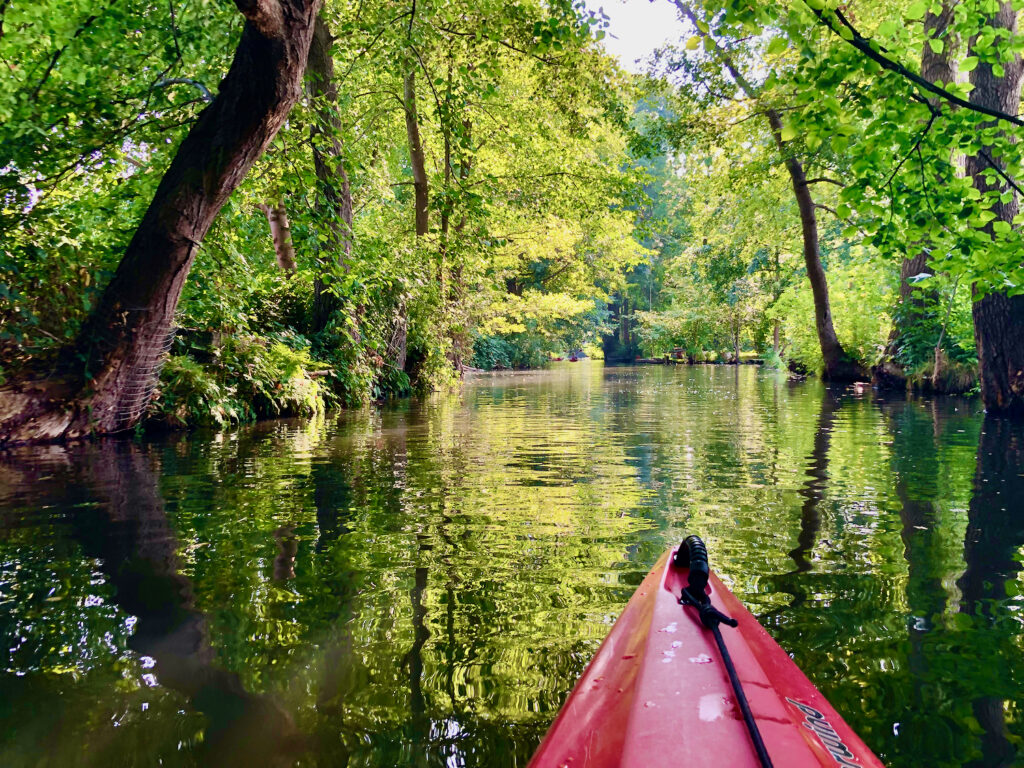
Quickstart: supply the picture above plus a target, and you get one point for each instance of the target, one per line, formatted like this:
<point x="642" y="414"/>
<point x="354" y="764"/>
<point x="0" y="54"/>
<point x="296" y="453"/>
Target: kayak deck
<point x="657" y="694"/>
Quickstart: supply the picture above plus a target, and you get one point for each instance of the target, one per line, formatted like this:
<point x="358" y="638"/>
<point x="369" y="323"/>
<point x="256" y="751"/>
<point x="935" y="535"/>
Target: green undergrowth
<point x="510" y="351"/>
<point x="774" y="361"/>
<point x="955" y="378"/>
<point x="244" y="378"/>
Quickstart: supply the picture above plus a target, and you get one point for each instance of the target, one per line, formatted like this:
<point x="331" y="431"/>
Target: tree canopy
<point x="441" y="184"/>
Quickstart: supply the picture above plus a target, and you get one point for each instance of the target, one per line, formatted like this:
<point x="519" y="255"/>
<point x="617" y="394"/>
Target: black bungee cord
<point x="693" y="554"/>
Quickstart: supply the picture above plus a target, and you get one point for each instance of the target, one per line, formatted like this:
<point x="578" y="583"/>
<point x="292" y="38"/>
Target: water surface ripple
<point x="421" y="585"/>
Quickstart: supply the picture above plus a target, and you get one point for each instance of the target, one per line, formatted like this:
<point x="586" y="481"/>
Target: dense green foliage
<point x="885" y="161"/>
<point x="524" y="123"/>
<point x="568" y="200"/>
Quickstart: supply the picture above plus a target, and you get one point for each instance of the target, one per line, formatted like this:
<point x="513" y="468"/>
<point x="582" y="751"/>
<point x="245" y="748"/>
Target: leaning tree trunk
<point x="123" y="342"/>
<point x="998" y="318"/>
<point x="935" y="68"/>
<point x="838" y="365"/>
<point x="335" y="200"/>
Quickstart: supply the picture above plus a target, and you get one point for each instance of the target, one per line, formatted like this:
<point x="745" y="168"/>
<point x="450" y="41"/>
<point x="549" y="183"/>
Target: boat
<point x="688" y="677"/>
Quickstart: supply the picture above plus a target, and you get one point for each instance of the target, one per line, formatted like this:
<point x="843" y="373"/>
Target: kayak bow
<point x="658" y="692"/>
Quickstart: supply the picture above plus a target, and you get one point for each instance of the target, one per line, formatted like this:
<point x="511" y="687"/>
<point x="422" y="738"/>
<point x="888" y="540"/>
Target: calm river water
<point x="421" y="585"/>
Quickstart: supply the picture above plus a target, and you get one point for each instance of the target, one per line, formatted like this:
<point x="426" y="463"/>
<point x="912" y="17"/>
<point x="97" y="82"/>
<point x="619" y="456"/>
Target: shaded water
<point x="422" y="585"/>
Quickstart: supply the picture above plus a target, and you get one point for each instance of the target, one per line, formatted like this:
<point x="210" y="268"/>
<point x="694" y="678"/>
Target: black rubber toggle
<point x="693" y="554"/>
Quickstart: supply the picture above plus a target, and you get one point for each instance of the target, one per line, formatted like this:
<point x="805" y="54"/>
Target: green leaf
<point x="969" y="63"/>
<point x="788" y="131"/>
<point x="693" y="43"/>
<point x="1001" y="227"/>
<point x="777" y="45"/>
<point x="936" y="45"/>
<point x="916" y="10"/>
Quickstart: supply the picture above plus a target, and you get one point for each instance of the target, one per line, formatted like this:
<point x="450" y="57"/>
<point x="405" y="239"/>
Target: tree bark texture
<point x="416" y="158"/>
<point x="998" y="318"/>
<point x="281" y="233"/>
<point x="124" y="340"/>
<point x="335" y="192"/>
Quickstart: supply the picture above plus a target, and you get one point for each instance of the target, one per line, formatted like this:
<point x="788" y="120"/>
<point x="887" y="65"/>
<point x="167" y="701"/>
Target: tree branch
<point x="928" y="127"/>
<point x="1000" y="171"/>
<point x="473" y="36"/>
<point x="207" y="96"/>
<point x="866" y="47"/>
<point x="825" y="179"/>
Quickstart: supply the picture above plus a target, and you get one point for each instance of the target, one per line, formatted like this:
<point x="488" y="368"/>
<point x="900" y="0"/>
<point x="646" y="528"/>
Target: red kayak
<point x="659" y="692"/>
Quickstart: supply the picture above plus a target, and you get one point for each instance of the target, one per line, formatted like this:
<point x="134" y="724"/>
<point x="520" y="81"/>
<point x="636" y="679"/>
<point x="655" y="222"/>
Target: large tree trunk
<point x="335" y="199"/>
<point x="838" y="365"/>
<point x="124" y="340"/>
<point x="998" y="318"/>
<point x="935" y="67"/>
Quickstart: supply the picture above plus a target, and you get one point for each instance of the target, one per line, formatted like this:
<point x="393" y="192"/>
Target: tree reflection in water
<point x="127" y="531"/>
<point x="422" y="584"/>
<point x="992" y="544"/>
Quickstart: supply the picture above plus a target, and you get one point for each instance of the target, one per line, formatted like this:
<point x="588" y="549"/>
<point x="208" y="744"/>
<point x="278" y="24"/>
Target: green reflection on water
<point x="422" y="585"/>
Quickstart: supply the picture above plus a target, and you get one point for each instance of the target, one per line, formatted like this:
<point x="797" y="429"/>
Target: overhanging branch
<point x="865" y="46"/>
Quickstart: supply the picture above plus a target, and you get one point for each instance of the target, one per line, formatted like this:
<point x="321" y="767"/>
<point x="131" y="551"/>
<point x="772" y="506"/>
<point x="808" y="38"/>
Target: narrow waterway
<point x="421" y="585"/>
